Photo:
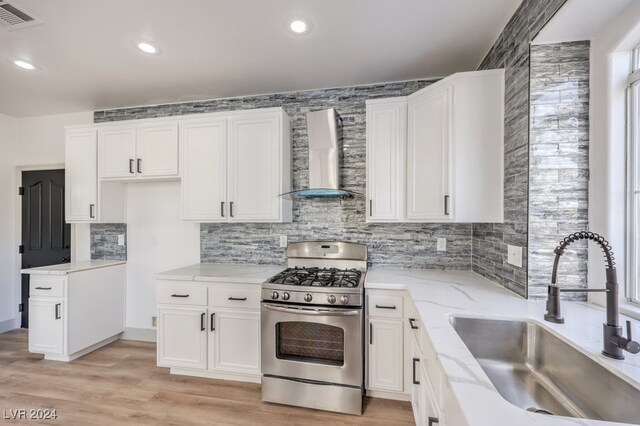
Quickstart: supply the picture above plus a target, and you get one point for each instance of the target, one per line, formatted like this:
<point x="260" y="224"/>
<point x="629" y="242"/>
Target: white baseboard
<point x="8" y="325"/>
<point x="141" y="334"/>
<point x="398" y="396"/>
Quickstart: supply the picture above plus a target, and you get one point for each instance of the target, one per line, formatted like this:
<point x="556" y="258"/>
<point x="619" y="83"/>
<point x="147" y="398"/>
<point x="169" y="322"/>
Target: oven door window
<point x="310" y="342"/>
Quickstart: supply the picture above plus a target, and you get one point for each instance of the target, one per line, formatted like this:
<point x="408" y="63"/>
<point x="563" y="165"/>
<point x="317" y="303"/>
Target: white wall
<point x="157" y="240"/>
<point x="7" y="226"/>
<point x="33" y="141"/>
<point x="609" y="72"/>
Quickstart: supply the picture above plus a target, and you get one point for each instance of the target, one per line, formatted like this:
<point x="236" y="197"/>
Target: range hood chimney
<point x="324" y="157"/>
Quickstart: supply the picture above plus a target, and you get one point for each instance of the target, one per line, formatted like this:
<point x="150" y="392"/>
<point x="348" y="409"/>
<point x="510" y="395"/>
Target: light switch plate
<point x="514" y="255"/>
<point x="121" y="240"/>
<point x="283" y="241"/>
<point x="442" y="244"/>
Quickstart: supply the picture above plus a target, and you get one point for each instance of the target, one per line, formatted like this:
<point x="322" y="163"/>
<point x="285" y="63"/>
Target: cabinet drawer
<point x="43" y="286"/>
<point x="243" y="296"/>
<point x="176" y="293"/>
<point x="385" y="306"/>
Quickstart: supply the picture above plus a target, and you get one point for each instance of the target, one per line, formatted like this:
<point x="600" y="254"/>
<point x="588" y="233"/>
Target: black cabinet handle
<point x="131" y="166"/>
<point x="91" y="212"/>
<point x="240" y="299"/>
<point x="385" y="307"/>
<point x="446" y="204"/>
<point x="231" y="209"/>
<point x="179" y="295"/>
<point x="221" y="208"/>
<point x="202" y="327"/>
<point x="413" y="376"/>
<point x="413" y="327"/>
<point x="139" y="165"/>
<point x="370" y="208"/>
<point x="43" y="288"/>
<point x="432" y="420"/>
<point x="213" y="321"/>
<point x="370" y="333"/>
<point x="57" y="309"/>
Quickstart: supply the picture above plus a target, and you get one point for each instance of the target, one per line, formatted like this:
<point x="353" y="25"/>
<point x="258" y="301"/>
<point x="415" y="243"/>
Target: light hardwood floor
<point x="121" y="384"/>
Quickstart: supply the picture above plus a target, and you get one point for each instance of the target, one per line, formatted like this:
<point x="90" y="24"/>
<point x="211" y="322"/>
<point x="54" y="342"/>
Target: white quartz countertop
<point x="223" y="272"/>
<point x="438" y="295"/>
<point x="69" y="268"/>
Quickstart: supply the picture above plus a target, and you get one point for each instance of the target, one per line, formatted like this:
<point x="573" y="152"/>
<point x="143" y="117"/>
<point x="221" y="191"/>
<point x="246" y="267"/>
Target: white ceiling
<point x="224" y="48"/>
<point x="579" y="20"/>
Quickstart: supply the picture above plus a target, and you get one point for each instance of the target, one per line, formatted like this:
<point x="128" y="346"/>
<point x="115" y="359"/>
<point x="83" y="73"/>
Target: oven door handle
<point x="327" y="312"/>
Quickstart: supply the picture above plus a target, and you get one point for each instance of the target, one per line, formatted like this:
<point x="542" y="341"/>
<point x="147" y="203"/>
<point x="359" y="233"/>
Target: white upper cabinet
<point x="447" y="165"/>
<point x="386" y="135"/>
<point x="428" y="159"/>
<point x="254" y="158"/>
<point x="148" y="150"/>
<point x="235" y="166"/>
<point x="204" y="169"/>
<point x="157" y="150"/>
<point x="117" y="152"/>
<point x="81" y="176"/>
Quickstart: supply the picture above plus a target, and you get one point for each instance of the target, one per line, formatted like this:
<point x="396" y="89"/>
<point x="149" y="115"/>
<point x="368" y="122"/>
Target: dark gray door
<point x="46" y="238"/>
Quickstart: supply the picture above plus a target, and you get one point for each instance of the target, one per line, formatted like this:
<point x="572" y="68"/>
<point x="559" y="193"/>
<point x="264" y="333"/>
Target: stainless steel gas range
<point x="313" y="328"/>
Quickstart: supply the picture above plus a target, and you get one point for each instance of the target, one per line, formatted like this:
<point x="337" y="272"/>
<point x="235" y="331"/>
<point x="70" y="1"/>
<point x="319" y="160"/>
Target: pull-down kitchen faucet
<point x="614" y="342"/>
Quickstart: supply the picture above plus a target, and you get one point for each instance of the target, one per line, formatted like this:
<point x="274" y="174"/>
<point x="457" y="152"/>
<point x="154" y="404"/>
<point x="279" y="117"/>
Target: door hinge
<point x="20" y="249"/>
<point x="21" y="307"/>
<point x="21" y="190"/>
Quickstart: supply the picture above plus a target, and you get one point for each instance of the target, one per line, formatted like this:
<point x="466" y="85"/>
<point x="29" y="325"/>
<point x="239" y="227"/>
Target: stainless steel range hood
<point x="324" y="156"/>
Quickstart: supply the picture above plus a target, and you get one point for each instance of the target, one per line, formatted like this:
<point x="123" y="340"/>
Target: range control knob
<point x="274" y="295"/>
<point x="308" y="297"/>
<point x="344" y="300"/>
<point x="331" y="299"/>
<point x="285" y="296"/>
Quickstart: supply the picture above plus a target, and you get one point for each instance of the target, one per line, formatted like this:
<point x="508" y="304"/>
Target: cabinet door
<point x="234" y="343"/>
<point x="386" y="147"/>
<point x="428" y="155"/>
<point x="117" y="152"/>
<point x="81" y="176"/>
<point x="46" y="326"/>
<point x="204" y="170"/>
<point x="386" y="366"/>
<point x="157" y="150"/>
<point x="255" y="164"/>
<point x="182" y="337"/>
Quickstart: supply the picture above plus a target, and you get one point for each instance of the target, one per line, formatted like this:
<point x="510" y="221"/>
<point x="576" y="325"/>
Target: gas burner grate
<point x="318" y="277"/>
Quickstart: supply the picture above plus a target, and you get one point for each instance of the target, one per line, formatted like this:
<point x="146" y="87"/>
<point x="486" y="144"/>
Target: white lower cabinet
<point x="71" y="315"/>
<point x="182" y="337"/>
<point x="385" y="338"/>
<point x="46" y="325"/>
<point x="234" y="342"/>
<point x="209" y="330"/>
<point x="385" y="355"/>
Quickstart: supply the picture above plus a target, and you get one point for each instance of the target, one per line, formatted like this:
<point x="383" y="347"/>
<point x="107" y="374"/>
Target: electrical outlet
<point x="283" y="241"/>
<point x="514" y="255"/>
<point x="121" y="239"/>
<point x="442" y="244"/>
<point x="154" y="321"/>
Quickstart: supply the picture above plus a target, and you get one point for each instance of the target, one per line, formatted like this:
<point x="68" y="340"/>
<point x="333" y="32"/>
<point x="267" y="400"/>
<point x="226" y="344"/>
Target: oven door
<point x="317" y="344"/>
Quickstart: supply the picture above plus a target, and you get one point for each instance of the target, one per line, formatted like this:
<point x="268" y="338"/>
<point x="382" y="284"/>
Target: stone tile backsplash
<point x="558" y="164"/>
<point x="398" y="245"/>
<point x="511" y="52"/>
<point x="104" y="241"/>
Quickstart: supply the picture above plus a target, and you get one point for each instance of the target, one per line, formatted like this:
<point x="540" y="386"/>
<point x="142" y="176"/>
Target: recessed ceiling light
<point x="149" y="48"/>
<point x="298" y="26"/>
<point x="24" y="64"/>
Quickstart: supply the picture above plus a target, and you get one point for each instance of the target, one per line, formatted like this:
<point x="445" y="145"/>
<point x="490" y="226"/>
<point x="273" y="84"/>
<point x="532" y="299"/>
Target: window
<point x="633" y="179"/>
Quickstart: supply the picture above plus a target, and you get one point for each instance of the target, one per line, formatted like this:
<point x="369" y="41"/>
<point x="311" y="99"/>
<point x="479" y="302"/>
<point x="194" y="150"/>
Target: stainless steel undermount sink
<point x="537" y="371"/>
